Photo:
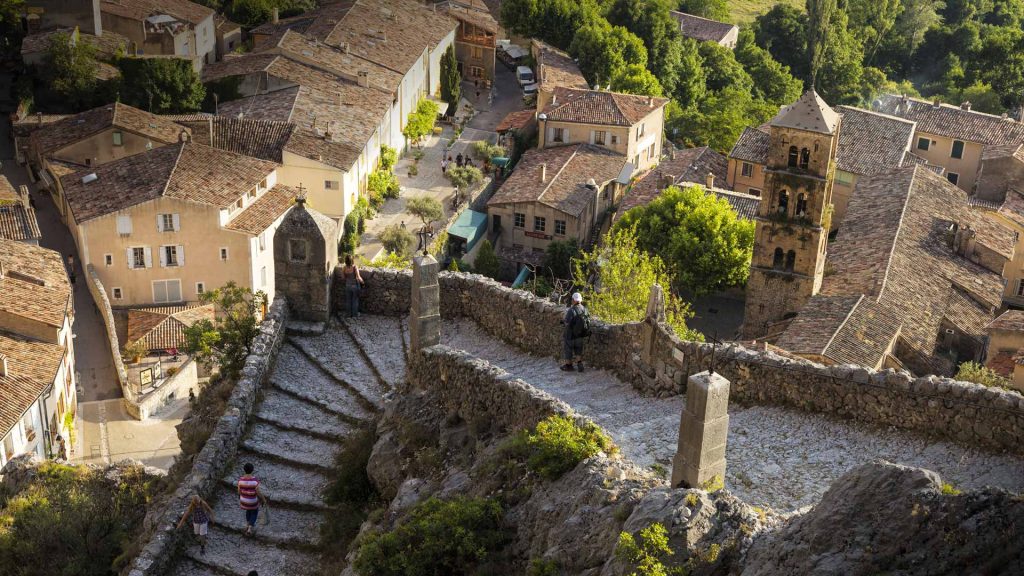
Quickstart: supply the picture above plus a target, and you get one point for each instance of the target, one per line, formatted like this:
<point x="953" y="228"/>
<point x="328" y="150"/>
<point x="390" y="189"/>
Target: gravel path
<point x="777" y="457"/>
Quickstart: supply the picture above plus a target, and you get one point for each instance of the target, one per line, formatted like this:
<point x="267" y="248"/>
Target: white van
<point x="529" y="89"/>
<point x="524" y="75"/>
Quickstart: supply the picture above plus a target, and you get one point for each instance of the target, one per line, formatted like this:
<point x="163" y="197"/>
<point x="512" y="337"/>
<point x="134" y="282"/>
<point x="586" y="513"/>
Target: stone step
<point x="337" y="353"/>
<point x="380" y="340"/>
<point x="297" y="448"/>
<point x="293" y="413"/>
<point x="287" y="527"/>
<point x="296" y="486"/>
<point x="188" y="567"/>
<point x="297" y="374"/>
<point x="230" y="553"/>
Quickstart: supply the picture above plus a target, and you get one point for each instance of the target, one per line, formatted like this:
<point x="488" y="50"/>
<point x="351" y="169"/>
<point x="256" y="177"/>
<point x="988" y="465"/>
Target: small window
<point x="539" y="223"/>
<point x="778" y="259"/>
<point x="794" y="156"/>
<point x="478" y="52"/>
<point x="747" y="170"/>
<point x="805" y="158"/>
<point x="250" y="194"/>
<point x="953" y="177"/>
<point x="790" y="260"/>
<point x="263" y="185"/>
<point x="240" y="203"/>
<point x="170" y="256"/>
<point x="844" y="178"/>
<point x="298" y="250"/>
<point x="166" y="291"/>
<point x="88" y="161"/>
<point x="560" y="227"/>
<point x="1020" y="287"/>
<point x="263" y="276"/>
<point x="558" y="135"/>
<point x="223" y="253"/>
<point x="520" y="220"/>
<point x="167" y="223"/>
<point x="108" y="259"/>
<point x="200" y="288"/>
<point x="599" y="137"/>
<point x="615" y="139"/>
<point x="138" y="257"/>
<point x="753" y="191"/>
<point x="117" y="293"/>
<point x="118" y="139"/>
<point x="801" y="204"/>
<point x="783" y="201"/>
<point x="262" y="241"/>
<point x="923" y="143"/>
<point x="331" y="185"/>
<point x="958" y="149"/>
<point x="124" y="225"/>
<point x="640" y="130"/>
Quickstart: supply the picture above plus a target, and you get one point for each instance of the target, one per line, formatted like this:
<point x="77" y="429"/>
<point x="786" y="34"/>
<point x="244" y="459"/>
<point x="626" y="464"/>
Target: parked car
<point x="525" y="75"/>
<point x="529" y="90"/>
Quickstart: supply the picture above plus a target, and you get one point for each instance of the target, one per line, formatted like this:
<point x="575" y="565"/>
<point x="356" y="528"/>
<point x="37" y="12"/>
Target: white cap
<point x="577" y="297"/>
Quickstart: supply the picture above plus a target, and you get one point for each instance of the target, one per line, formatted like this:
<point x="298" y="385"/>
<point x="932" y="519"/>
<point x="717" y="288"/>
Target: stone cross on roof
<point x="300" y="196"/>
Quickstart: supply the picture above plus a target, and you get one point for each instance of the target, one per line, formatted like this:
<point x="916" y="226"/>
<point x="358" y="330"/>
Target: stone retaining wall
<point x="657" y="363"/>
<point x="99" y="297"/>
<point x="218" y="452"/>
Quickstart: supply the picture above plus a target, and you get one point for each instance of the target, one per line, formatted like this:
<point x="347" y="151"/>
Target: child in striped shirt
<point x="250" y="497"/>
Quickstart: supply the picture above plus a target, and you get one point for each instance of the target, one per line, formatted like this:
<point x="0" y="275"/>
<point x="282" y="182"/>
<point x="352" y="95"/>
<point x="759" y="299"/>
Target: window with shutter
<point x="149" y="257"/>
<point x="124" y="225"/>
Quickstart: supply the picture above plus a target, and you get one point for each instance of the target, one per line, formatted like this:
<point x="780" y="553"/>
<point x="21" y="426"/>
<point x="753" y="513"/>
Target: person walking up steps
<point x="250" y="497"/>
<point x="577" y="328"/>
<point x="202" y="516"/>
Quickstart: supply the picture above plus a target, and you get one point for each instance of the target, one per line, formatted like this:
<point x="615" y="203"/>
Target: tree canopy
<point x="227" y="340"/>
<point x="451" y="81"/>
<point x="704" y="244"/>
<point x="70" y="72"/>
<point x="161" y="85"/>
<point x="425" y="208"/>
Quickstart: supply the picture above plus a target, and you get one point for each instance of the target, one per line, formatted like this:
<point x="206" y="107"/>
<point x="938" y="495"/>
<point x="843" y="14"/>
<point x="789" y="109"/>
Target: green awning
<point x="470" y="226"/>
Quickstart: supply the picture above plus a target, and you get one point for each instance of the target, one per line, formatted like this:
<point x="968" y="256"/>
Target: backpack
<point x="580" y="322"/>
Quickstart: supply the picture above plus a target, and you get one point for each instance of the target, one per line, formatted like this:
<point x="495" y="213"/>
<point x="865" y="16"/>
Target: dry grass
<point x="744" y="11"/>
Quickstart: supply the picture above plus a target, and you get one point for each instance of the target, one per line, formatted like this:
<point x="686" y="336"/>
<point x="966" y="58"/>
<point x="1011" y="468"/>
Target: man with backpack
<point x="577" y="328"/>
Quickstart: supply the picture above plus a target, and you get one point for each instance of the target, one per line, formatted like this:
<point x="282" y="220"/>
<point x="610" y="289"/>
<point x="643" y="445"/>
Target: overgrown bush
<point x="382" y="185"/>
<point x="351" y="495"/>
<point x="981" y="374"/>
<point x="646" y="555"/>
<point x="388" y="158"/>
<point x="486" y="262"/>
<point x="557" y="444"/>
<point x="389" y="260"/>
<point x="438" y="538"/>
<point x="484" y="150"/>
<point x="72" y="520"/>
<point x="397" y="240"/>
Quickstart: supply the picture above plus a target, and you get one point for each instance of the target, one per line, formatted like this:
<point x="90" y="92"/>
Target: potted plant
<point x="134" y="351"/>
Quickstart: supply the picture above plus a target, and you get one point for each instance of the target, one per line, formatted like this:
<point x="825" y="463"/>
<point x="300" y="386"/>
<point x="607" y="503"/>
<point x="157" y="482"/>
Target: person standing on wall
<point x="353" y="285"/>
<point x="577" y="328"/>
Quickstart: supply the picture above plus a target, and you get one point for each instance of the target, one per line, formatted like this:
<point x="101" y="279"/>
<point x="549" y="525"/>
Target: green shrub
<point x="484" y="150"/>
<point x="383" y="184"/>
<point x="389" y="260"/>
<point x="980" y="374"/>
<point x="557" y="444"/>
<point x="539" y="567"/>
<point x="438" y="538"/>
<point x="646" y="555"/>
<point x="948" y="489"/>
<point x="388" y="158"/>
<point x="397" y="240"/>
<point x="486" y="262"/>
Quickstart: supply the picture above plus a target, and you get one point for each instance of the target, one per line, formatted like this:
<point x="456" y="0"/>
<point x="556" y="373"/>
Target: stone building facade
<point x="793" y="220"/>
<point x="305" y="255"/>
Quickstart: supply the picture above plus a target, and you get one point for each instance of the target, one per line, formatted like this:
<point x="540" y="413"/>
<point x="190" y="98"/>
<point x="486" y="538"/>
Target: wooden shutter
<point x="149" y="256"/>
<point x="181" y="255"/>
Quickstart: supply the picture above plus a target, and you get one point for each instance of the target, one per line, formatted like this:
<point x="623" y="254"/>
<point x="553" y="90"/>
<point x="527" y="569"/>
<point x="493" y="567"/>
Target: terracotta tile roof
<point x="238" y="65"/>
<point x="7" y="191"/>
<point x="191" y="172"/>
<point x="18" y="222"/>
<point x="952" y="121"/>
<point x="35" y="283"/>
<point x="556" y="69"/>
<point x="1009" y="321"/>
<point x="809" y="113"/>
<point x="32" y="367"/>
<point x="277" y="106"/>
<point x="567" y="168"/>
<point x="256" y="138"/>
<point x="752" y="146"/>
<point x="702" y="29"/>
<point x="106" y="45"/>
<point x="300" y="22"/>
<point x="265" y="210"/>
<point x="336" y="152"/>
<point x="594" y="107"/>
<point x="1002" y="363"/>
<point x="72" y="129"/>
<point x="315" y="53"/>
<point x="477" y="16"/>
<point x="224" y="25"/>
<point x="871" y="143"/>
<point x="517" y="120"/>
<point x="689" y="165"/>
<point x="142" y="9"/>
<point x="892" y="249"/>
<point x="164" y="327"/>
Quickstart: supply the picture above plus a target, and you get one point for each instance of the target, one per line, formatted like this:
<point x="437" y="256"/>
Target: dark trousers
<point x="572" y="349"/>
<point x="352" y="300"/>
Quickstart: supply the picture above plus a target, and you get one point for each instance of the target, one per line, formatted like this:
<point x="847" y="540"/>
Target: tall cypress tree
<point x="451" y="82"/>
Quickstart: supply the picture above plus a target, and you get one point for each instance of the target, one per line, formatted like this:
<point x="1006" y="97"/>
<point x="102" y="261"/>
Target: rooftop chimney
<point x="966" y="106"/>
<point x="650" y="101"/>
<point x="935" y="104"/>
<point x="543" y="172"/>
<point x="554" y="98"/>
<point x="275" y="16"/>
<point x="710" y="180"/>
<point x="364" y="78"/>
<point x="3" y="365"/>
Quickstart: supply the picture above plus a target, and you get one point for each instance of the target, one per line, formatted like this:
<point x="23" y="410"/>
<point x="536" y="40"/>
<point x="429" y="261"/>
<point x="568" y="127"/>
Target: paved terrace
<point x="322" y="386"/>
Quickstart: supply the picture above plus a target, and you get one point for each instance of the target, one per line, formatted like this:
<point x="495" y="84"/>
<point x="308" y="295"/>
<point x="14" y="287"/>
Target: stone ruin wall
<point x="218" y="452"/>
<point x="657" y="363"/>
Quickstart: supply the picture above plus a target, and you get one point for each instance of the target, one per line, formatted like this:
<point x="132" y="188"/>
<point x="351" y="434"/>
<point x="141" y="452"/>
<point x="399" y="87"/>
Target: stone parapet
<point x="219" y="451"/>
<point x="99" y="296"/>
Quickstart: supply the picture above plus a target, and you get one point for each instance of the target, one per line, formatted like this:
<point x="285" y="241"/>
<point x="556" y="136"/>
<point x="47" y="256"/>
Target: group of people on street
<point x="459" y="161"/>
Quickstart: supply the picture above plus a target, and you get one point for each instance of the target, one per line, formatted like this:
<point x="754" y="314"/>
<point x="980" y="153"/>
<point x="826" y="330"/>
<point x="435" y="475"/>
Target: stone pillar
<point x="655" y="315"/>
<point x="703" y="430"/>
<point x="425" y="315"/>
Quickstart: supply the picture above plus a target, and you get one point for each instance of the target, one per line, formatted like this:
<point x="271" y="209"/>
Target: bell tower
<point x="794" y="216"/>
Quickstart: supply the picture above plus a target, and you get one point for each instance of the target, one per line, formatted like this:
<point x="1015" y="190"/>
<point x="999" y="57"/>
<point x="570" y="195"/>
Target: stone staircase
<point x="322" y="387"/>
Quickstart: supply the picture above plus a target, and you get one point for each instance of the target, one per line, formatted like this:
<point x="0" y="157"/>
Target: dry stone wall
<point x="657" y="363"/>
<point x="218" y="452"/>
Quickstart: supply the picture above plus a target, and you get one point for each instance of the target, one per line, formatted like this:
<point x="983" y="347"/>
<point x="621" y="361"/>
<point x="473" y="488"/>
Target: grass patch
<point x="713" y="484"/>
<point x="949" y="490"/>
<point x="744" y="11"/>
<point x="557" y="444"/>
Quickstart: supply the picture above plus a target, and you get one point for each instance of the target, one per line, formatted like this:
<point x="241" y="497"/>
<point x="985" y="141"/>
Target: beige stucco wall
<point x="312" y="175"/>
<point x="464" y="54"/>
<point x="754" y="184"/>
<point x="1013" y="270"/>
<point x="511" y="236"/>
<point x="644" y="151"/>
<point x="939" y="153"/>
<point x="100" y="149"/>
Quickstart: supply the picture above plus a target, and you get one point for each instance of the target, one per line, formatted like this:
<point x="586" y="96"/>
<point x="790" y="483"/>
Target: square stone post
<point x="425" y="315"/>
<point x="703" y="430"/>
<point x="655" y="315"/>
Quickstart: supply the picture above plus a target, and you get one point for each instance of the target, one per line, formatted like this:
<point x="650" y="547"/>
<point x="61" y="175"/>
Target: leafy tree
<point x="871" y="21"/>
<point x="73" y="520"/>
<point x="425" y="208"/>
<point x="720" y="119"/>
<point x="161" y="85"/>
<point x="559" y="255"/>
<point x="421" y="121"/>
<point x="382" y="184"/>
<point x="616" y="278"/>
<point x="397" y="240"/>
<point x="713" y="9"/>
<point x="839" y="76"/>
<point x="602" y="49"/>
<point x="226" y="341"/>
<point x="704" y="244"/>
<point x="722" y="69"/>
<point x="69" y="71"/>
<point x="782" y="31"/>
<point x="982" y="97"/>
<point x="486" y="262"/>
<point x="10" y="27"/>
<point x="647" y="556"/>
<point x="772" y="81"/>
<point x="980" y="374"/>
<point x="451" y="81"/>
<point x="251" y="13"/>
<point x="635" y="79"/>
<point x="820" y="15"/>
<point x="553" y="21"/>
<point x="438" y="537"/>
<point x="651" y="21"/>
<point x="350" y="232"/>
<point x="464" y="177"/>
<point x="388" y="158"/>
<point x="692" y="78"/>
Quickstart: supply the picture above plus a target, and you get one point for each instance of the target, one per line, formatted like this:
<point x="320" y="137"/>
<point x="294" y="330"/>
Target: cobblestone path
<point x="776" y="457"/>
<point x="321" y="388"/>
